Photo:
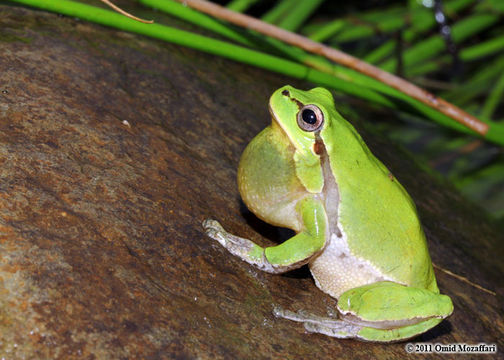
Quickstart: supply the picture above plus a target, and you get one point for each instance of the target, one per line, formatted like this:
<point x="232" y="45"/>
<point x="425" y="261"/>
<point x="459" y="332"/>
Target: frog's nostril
<point x="286" y="93"/>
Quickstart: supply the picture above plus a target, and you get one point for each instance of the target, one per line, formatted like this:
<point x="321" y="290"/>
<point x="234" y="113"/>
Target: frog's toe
<point x="219" y="236"/>
<point x="280" y="312"/>
<point x="215" y="231"/>
<point x="211" y="224"/>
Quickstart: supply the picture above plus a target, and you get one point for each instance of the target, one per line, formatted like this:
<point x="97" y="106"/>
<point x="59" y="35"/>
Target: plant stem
<point x="494" y="98"/>
<point x="342" y="58"/>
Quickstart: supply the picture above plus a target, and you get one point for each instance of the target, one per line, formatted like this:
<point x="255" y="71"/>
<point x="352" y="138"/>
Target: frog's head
<point x="303" y="115"/>
<point x="313" y="126"/>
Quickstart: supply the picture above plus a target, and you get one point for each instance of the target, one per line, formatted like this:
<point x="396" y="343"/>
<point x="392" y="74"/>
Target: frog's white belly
<point x="337" y="270"/>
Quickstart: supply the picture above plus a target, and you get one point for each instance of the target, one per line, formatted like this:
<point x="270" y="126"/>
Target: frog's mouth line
<point x="272" y="113"/>
<point x="274" y="119"/>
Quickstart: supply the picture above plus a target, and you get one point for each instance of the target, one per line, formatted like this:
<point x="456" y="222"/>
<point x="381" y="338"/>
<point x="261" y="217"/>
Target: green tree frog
<point x="356" y="226"/>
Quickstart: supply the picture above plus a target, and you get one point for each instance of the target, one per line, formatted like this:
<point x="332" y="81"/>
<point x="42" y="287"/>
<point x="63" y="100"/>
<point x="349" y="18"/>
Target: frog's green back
<point x="374" y="211"/>
<point x="375" y="208"/>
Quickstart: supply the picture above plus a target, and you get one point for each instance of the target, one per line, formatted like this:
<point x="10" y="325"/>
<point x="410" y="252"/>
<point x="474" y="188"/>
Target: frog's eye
<point x="310" y="118"/>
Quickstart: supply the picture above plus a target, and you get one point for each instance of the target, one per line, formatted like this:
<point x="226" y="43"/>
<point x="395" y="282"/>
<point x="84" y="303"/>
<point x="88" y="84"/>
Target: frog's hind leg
<point x="383" y="312"/>
<point x="388" y="311"/>
<point x="343" y="329"/>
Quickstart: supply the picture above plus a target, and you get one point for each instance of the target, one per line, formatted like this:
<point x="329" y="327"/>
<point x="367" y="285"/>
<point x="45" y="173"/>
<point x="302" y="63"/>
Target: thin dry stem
<point x="127" y="14"/>
<point x="341" y="58"/>
<point x="463" y="279"/>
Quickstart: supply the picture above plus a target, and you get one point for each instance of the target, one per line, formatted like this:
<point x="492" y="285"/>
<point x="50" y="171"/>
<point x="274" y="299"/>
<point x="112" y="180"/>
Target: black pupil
<point x="309" y="116"/>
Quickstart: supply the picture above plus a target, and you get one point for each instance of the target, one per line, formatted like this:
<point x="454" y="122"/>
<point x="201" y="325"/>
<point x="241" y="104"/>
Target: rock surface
<point x="113" y="149"/>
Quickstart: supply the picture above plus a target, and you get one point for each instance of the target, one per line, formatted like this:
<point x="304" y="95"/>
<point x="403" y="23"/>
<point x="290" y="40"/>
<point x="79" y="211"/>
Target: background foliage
<point x="453" y="48"/>
<point x="460" y="59"/>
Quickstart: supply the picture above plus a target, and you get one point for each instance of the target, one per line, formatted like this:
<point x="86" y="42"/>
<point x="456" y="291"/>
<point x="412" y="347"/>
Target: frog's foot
<point x="382" y="311"/>
<point x="317" y="324"/>
<point x="343" y="329"/>
<point x="245" y="249"/>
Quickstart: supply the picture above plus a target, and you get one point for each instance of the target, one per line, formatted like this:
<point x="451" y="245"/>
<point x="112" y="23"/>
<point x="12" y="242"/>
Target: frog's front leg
<point x="382" y="311"/>
<point x="289" y="255"/>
